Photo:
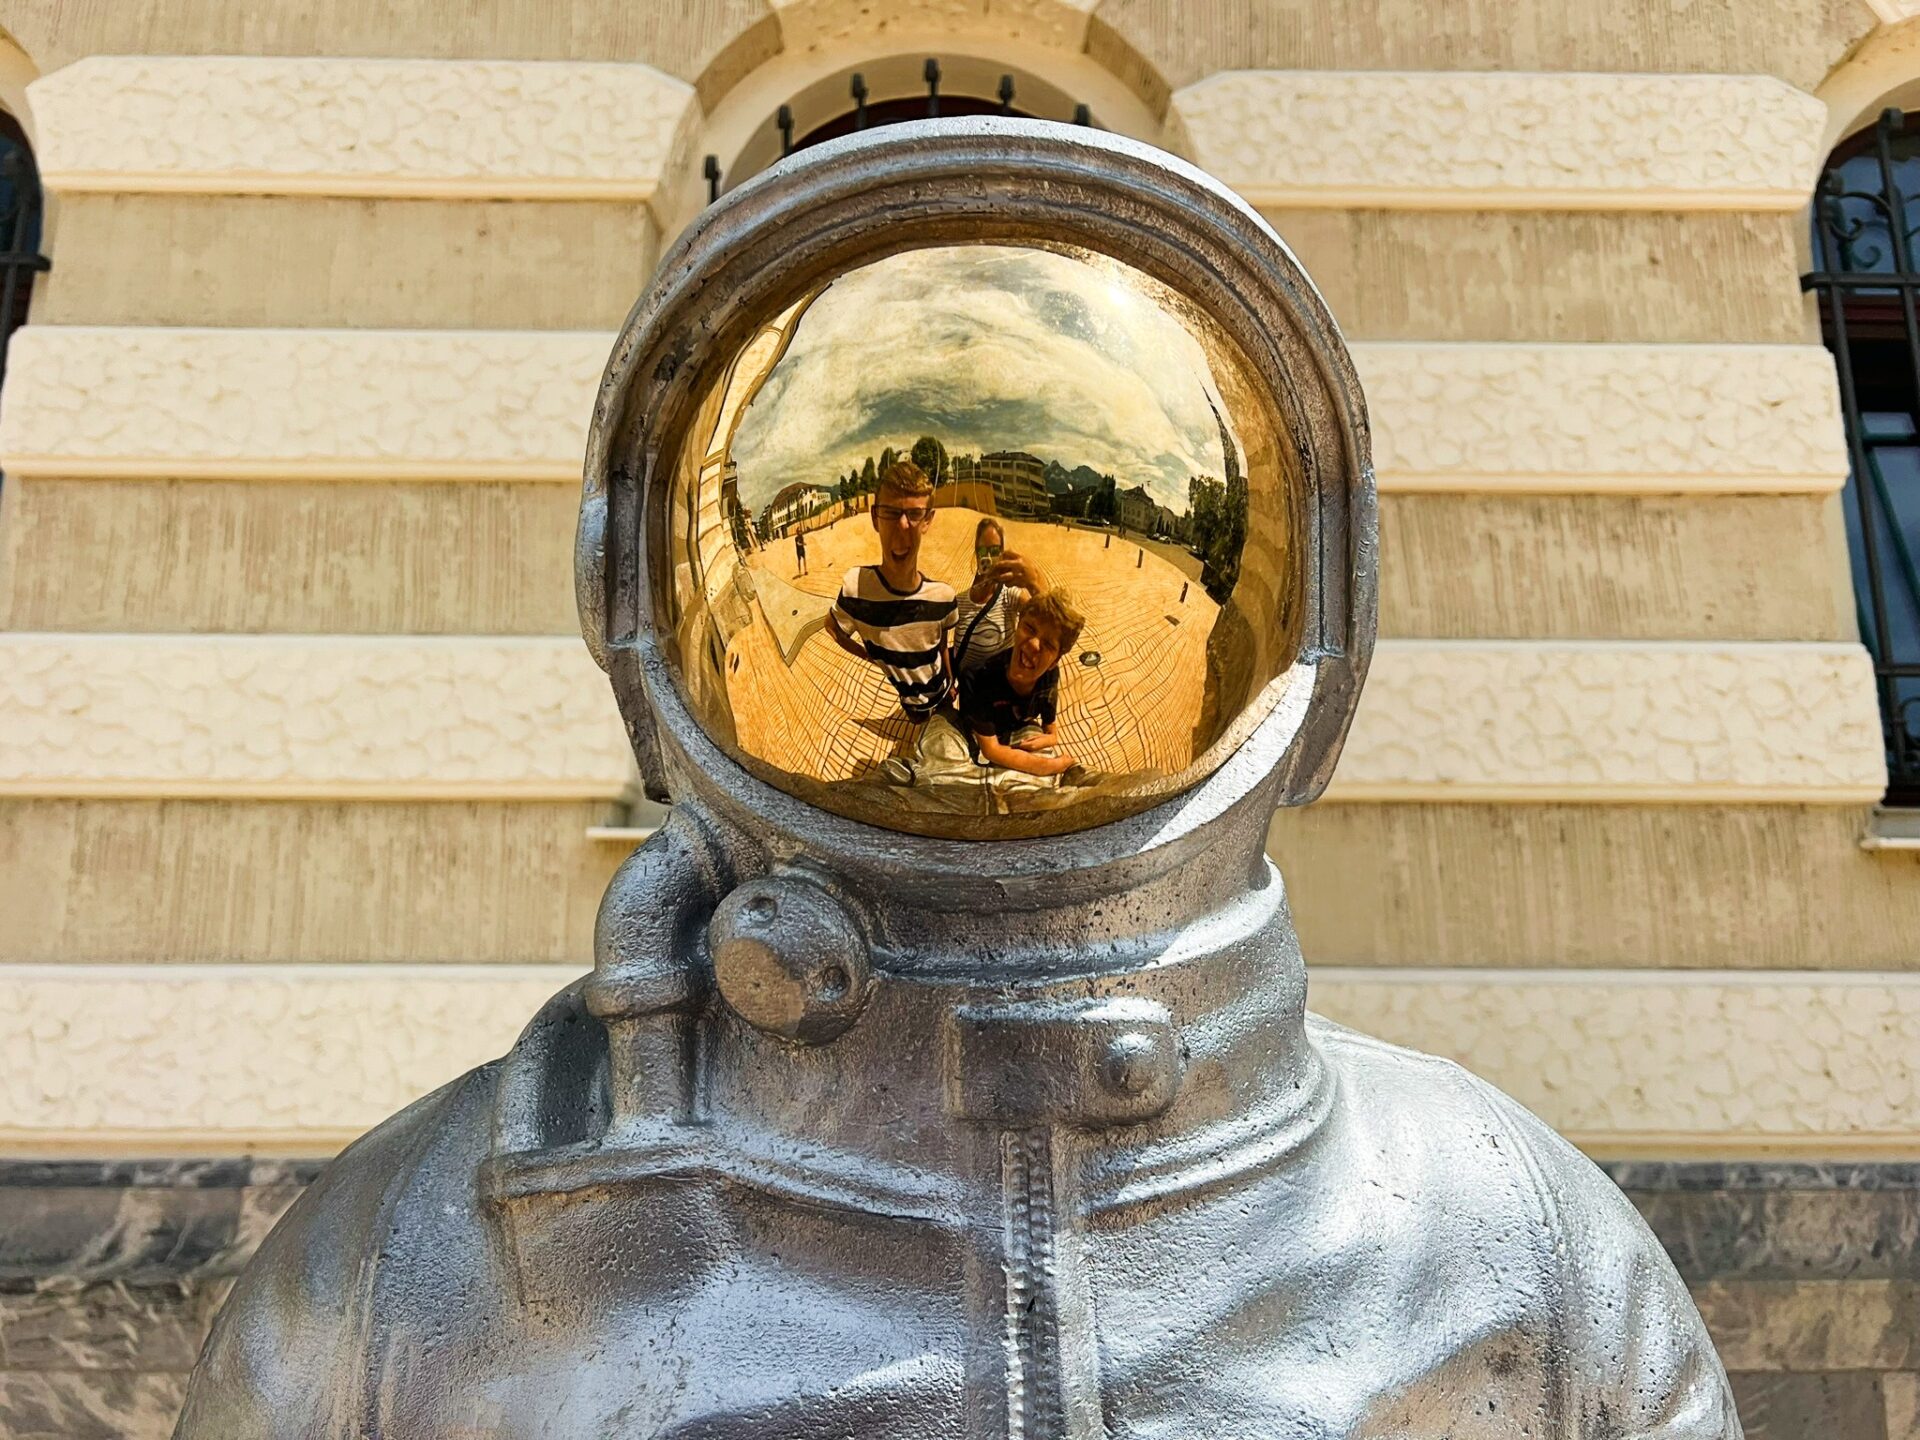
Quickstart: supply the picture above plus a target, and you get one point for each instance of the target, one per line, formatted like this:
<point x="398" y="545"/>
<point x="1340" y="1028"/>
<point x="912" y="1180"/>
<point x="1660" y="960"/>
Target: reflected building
<point x="795" y="503"/>
<point x="1136" y="510"/>
<point x="743" y="532"/>
<point x="966" y="489"/>
<point x="1018" y="481"/>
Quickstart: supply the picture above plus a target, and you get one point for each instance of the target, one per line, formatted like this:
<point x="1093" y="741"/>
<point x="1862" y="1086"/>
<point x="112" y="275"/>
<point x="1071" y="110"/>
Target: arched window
<point x="966" y="87"/>
<point x="20" y="215"/>
<point x="1865" y="216"/>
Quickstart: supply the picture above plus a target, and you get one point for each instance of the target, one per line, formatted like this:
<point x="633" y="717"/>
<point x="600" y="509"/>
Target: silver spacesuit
<point x="856" y="1131"/>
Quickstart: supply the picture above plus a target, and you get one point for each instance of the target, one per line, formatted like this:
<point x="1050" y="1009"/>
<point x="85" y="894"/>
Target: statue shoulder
<point x="282" y="1356"/>
<point x="400" y="1211"/>
<point x="1641" y="1361"/>
<point x="1636" y="1356"/>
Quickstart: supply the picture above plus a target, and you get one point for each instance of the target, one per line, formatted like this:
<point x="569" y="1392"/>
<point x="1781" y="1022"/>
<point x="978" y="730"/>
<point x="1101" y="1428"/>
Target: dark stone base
<point x="1809" y="1279"/>
<point x="110" y="1274"/>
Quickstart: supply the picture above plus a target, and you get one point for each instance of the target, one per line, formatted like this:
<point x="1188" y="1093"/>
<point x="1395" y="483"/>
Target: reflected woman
<point x="1002" y="581"/>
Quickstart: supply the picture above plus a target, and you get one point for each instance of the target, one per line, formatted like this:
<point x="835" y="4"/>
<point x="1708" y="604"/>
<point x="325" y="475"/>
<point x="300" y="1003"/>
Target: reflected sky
<point x="985" y="348"/>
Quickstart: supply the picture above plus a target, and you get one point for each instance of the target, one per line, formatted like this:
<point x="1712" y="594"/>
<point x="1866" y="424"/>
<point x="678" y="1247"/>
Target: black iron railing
<point x="1865" y="217"/>
<point x="20" y="209"/>
<point x="867" y="113"/>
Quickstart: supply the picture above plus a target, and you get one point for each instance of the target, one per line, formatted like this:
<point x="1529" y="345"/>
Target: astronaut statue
<point x="968" y="1109"/>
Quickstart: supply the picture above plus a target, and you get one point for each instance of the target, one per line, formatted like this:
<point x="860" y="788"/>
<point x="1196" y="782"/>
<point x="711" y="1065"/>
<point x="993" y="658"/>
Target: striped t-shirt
<point x="903" y="633"/>
<point x="982" y="631"/>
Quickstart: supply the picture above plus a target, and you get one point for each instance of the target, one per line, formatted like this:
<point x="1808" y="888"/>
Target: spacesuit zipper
<point x="1036" y="1408"/>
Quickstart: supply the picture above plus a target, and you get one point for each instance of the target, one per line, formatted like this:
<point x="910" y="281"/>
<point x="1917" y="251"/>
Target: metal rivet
<point x="789" y="959"/>
<point x="1129" y="1066"/>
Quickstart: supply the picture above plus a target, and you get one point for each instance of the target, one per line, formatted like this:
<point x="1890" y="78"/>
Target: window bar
<point x="1902" y="740"/>
<point x="1082" y="115"/>
<point x="14" y="174"/>
<point x="859" y="91"/>
<point x="784" y="119"/>
<point x="931" y="72"/>
<point x="712" y="171"/>
<point x="1006" y="94"/>
<point x="1884" y="493"/>
<point x="23" y="178"/>
<point x="1831" y="220"/>
<point x="1891" y="123"/>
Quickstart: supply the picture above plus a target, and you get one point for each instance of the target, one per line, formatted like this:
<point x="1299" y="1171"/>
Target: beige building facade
<point x="309" y="789"/>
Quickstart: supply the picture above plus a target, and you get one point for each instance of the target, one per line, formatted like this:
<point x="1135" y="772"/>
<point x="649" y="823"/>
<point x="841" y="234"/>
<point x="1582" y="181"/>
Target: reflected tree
<point x="1217" y="523"/>
<point x="931" y="456"/>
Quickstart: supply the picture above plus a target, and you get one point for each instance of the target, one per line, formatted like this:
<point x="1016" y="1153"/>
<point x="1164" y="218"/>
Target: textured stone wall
<point x="1628" y="1063"/>
<point x="496" y="558"/>
<point x="92" y="881"/>
<point x="1809" y="1279"/>
<point x="1607" y="448"/>
<point x="437" y="716"/>
<point x="1157" y="44"/>
<point x="1433" y="140"/>
<point x="161" y="258"/>
<point x="316" y="361"/>
<point x="375" y="403"/>
<point x="1584" y="886"/>
<point x="244" y="125"/>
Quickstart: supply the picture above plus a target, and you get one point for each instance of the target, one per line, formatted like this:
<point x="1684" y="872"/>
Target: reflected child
<point x="1010" y="704"/>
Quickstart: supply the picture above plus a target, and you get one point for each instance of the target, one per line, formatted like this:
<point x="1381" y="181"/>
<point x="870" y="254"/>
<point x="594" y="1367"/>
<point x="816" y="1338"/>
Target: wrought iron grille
<point x="1865" y="217"/>
<point x="867" y="113"/>
<point x="20" y="213"/>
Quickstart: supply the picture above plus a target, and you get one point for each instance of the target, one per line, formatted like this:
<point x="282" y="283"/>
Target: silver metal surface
<point x="870" y="1133"/>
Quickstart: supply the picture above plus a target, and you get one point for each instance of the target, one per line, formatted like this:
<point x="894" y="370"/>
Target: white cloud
<point x="986" y="348"/>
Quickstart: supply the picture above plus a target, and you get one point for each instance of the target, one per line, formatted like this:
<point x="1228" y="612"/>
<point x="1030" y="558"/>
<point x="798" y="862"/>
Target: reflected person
<point x="1002" y="582"/>
<point x="1010" y="704"/>
<point x="890" y="613"/>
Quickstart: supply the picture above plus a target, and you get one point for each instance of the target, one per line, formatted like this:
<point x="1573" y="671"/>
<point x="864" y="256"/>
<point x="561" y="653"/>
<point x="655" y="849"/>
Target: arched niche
<point x="813" y="81"/>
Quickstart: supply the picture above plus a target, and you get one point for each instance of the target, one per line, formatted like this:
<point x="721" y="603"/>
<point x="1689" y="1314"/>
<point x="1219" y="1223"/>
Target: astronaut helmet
<point x="980" y="480"/>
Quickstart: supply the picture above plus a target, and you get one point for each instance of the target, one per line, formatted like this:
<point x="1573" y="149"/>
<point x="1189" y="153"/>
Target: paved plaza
<point x="804" y="705"/>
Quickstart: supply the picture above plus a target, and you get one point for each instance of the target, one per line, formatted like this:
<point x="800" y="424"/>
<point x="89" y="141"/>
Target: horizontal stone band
<point x="298" y="1059"/>
<point x="242" y="125"/>
<point x="1477" y="720"/>
<point x="350" y="126"/>
<point x="370" y="404"/>
<point x="1633" y="1062"/>
<point x="1494" y="140"/>
<point x="409" y="404"/>
<point x="412" y="717"/>
<point x="1604" y="418"/>
<point x="307" y="716"/>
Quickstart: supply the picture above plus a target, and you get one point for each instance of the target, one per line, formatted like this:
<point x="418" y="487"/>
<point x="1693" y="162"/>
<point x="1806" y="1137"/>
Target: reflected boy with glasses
<point x="891" y="614"/>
